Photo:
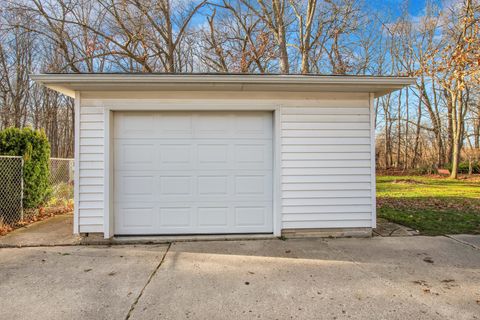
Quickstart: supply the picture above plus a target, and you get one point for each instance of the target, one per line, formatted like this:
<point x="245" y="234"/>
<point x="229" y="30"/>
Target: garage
<point x="192" y="172"/>
<point x="219" y="155"/>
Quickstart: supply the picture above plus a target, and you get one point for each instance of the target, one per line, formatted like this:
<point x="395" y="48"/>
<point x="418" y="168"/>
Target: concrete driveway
<point x="378" y="278"/>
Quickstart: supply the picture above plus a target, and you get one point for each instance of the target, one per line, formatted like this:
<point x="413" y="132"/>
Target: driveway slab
<point x="74" y="282"/>
<point x="380" y="278"/>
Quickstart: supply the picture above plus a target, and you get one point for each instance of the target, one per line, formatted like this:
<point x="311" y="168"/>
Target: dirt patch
<point x="407" y="181"/>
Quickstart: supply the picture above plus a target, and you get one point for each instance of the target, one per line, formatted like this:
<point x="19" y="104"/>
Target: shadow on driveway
<point x="379" y="278"/>
<point x="57" y="230"/>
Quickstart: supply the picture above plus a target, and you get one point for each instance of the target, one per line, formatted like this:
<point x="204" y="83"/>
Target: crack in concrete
<point x="135" y="302"/>
<point x="462" y="242"/>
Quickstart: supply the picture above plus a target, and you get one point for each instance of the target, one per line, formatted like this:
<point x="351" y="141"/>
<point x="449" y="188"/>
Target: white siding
<point x="325" y="149"/>
<point x="91" y="184"/>
<point x="326" y="165"/>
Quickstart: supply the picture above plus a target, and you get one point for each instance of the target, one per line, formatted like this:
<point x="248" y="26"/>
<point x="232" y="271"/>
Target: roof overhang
<point x="68" y="84"/>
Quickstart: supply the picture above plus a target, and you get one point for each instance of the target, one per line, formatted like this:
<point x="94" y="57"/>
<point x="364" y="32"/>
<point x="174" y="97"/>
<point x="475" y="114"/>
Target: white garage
<point x="200" y="154"/>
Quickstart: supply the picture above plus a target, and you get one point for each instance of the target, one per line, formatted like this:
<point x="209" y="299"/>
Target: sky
<point x="415" y="7"/>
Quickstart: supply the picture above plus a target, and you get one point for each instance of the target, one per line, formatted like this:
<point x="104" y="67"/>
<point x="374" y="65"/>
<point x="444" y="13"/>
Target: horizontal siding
<point x="336" y="223"/>
<point x="338" y="126"/>
<point x="331" y="118"/>
<point x="326" y="178"/>
<point x="91" y="221"/>
<point x="320" y="141"/>
<point x="330" y="209"/>
<point x="91" y="181"/>
<point x="91" y="133"/>
<point x="91" y="125"/>
<point x="91" y="184"/>
<point x="318" y="133"/>
<point x="91" y="188"/>
<point x="326" y="216"/>
<point x="358" y="163"/>
<point x="325" y="110"/>
<point x="90" y="173"/>
<point x="90" y="205"/>
<point x="326" y="186"/>
<point x="326" y="156"/>
<point x="90" y="141"/>
<point x="91" y="157"/>
<point x="349" y="148"/>
<point x="85" y="228"/>
<point x="92" y="213"/>
<point x="324" y="171"/>
<point x="326" y="166"/>
<point x="331" y="201"/>
<point x="315" y="194"/>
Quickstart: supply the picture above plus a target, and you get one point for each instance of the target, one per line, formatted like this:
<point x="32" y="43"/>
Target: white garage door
<point x="192" y="172"/>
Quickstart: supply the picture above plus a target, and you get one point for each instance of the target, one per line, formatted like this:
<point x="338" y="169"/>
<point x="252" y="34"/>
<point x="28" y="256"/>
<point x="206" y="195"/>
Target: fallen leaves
<point x="35" y="215"/>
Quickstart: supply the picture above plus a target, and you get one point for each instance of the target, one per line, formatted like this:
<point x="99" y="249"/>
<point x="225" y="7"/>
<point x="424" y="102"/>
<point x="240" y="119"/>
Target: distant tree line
<point x="434" y="122"/>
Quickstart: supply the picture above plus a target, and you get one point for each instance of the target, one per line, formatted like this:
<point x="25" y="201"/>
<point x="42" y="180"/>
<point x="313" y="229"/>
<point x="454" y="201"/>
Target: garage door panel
<point x="211" y="156"/>
<point x="209" y="217"/>
<point x="213" y="185"/>
<point x="174" y="125"/>
<point x="213" y="216"/>
<point x="136" y="125"/>
<point x="198" y="172"/>
<point x="176" y="155"/>
<point x="133" y="155"/>
<point x="249" y="156"/>
<point x="250" y="216"/>
<point x="253" y="185"/>
<point x="136" y="187"/>
<point x="176" y="216"/>
<point x="136" y="218"/>
<point x="175" y="186"/>
<point x="252" y="126"/>
<point x="212" y="125"/>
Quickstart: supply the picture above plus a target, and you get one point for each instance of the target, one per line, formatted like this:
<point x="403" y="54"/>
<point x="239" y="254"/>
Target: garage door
<point x="192" y="172"/>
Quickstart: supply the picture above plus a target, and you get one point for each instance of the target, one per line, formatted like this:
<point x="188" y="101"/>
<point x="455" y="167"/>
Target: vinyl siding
<point x="324" y="167"/>
<point x="91" y="166"/>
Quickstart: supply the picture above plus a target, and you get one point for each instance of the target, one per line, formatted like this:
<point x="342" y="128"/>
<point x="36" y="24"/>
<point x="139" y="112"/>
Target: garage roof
<point x="69" y="83"/>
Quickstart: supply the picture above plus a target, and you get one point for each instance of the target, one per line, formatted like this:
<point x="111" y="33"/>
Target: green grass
<point x="432" y="205"/>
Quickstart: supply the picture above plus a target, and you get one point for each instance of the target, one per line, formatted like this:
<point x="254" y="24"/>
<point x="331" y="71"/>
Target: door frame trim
<point x="196" y="105"/>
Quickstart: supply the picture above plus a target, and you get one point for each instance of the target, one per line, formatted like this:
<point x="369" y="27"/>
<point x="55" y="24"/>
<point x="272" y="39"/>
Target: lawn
<point x="433" y="205"/>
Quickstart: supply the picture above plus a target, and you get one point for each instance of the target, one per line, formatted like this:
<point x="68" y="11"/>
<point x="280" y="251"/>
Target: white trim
<point x="372" y="159"/>
<point x="192" y="105"/>
<point x="69" y="83"/>
<point x="277" y="174"/>
<point x="218" y="78"/>
<point x="108" y="224"/>
<point x="76" y="184"/>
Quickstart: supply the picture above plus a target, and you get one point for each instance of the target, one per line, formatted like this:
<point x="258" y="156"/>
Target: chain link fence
<point x="61" y="181"/>
<point x="11" y="189"/>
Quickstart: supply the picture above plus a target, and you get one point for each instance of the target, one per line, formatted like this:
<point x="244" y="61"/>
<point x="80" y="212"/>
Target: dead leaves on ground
<point x="430" y="203"/>
<point x="36" y="215"/>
